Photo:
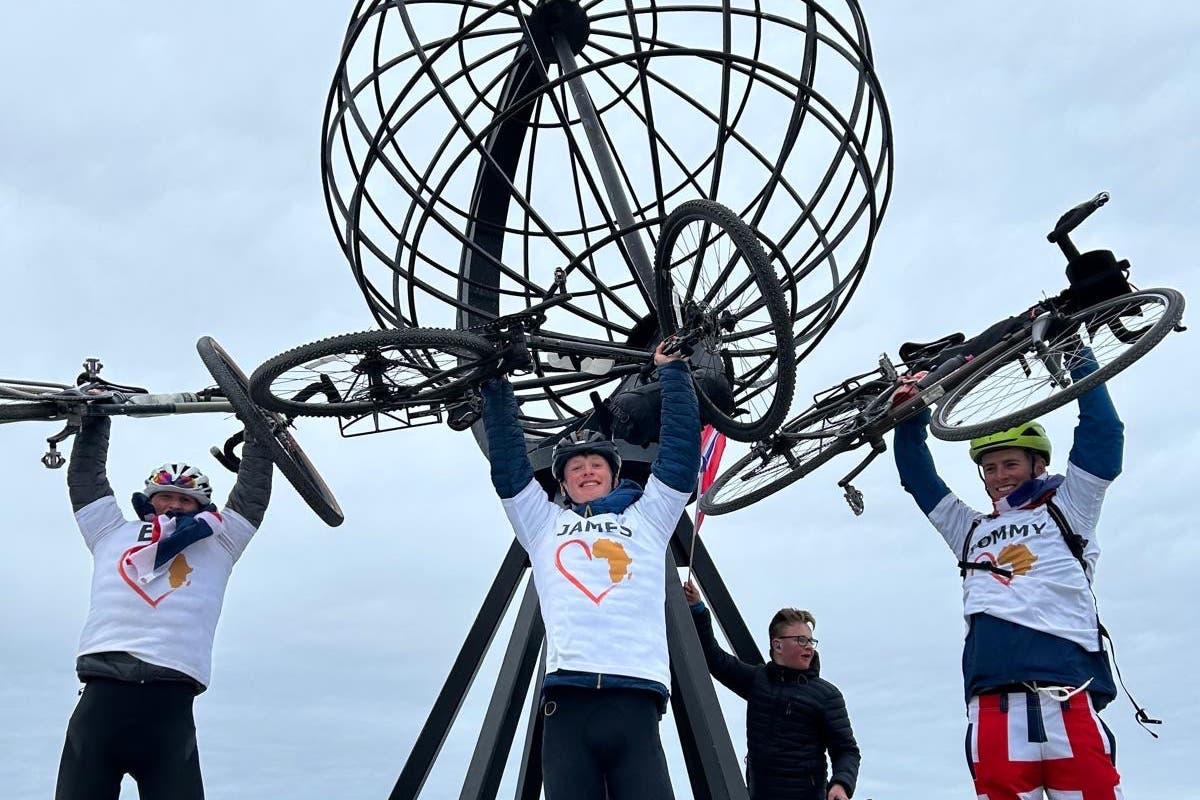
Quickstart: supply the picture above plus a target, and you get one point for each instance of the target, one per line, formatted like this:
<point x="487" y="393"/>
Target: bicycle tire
<point x="957" y="417"/>
<point x="283" y="383"/>
<point x="271" y="430"/>
<point x="739" y="486"/>
<point x="760" y="359"/>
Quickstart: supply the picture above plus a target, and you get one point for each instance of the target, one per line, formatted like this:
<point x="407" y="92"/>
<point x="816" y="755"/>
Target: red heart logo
<point x="595" y="598"/>
<point x="989" y="557"/>
<point x="153" y="601"/>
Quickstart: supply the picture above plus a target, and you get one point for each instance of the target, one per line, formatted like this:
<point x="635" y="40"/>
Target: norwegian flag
<point x="712" y="446"/>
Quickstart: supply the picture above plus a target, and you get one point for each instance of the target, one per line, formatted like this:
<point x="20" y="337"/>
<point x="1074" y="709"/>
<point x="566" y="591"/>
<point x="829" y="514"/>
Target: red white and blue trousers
<point x="1026" y="745"/>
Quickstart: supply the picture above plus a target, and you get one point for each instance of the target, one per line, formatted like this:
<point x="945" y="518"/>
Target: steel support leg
<point x="500" y="722"/>
<point x="462" y="674"/>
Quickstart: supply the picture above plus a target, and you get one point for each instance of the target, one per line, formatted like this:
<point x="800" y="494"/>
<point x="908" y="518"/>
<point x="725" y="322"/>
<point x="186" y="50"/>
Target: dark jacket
<point x="793" y="717"/>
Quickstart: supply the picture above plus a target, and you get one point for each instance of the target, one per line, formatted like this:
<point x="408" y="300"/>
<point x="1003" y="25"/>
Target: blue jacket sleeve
<point x="511" y="470"/>
<point x="678" y="459"/>
<point x="1100" y="434"/>
<point x="914" y="462"/>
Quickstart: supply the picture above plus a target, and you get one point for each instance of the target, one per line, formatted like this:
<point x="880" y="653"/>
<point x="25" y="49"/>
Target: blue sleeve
<point x="914" y="462"/>
<point x="1100" y="435"/>
<point x="511" y="470"/>
<point x="678" y="459"/>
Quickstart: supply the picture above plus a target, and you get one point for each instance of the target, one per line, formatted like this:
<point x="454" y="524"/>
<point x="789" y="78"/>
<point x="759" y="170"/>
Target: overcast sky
<point x="160" y="180"/>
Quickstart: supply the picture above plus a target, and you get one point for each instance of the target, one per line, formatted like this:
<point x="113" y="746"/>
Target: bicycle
<point x="1014" y="371"/>
<point x="717" y="296"/>
<point x="92" y="395"/>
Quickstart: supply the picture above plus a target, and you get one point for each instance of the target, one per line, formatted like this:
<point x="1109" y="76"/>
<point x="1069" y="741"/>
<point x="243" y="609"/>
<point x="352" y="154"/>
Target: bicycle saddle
<point x="912" y="353"/>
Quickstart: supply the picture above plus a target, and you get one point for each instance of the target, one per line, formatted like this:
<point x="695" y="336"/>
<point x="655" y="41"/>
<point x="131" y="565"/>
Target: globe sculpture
<point x="480" y="159"/>
<point x="473" y="151"/>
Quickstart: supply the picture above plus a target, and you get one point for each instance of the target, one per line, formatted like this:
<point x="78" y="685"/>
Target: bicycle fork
<point x="854" y="497"/>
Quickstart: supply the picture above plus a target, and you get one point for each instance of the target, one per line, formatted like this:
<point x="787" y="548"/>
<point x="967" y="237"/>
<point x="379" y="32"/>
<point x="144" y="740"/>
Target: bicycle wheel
<point x="1018" y="385"/>
<point x="19" y="401"/>
<point x="360" y="373"/>
<point x="272" y="431"/>
<point x="823" y="431"/>
<point x="714" y="277"/>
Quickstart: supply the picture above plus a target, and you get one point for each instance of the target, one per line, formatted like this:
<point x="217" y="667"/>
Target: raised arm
<point x="678" y="458"/>
<point x="511" y="470"/>
<point x="914" y="462"/>
<point x="1100" y="434"/>
<point x="252" y="490"/>
<point x="731" y="671"/>
<point x="87" y="480"/>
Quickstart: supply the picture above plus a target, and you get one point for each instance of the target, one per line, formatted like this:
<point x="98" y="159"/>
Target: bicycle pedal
<point x="854" y="498"/>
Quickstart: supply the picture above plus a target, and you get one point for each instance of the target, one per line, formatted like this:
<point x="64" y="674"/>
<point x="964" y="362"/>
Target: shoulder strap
<point x="1076" y="544"/>
<point x="987" y="566"/>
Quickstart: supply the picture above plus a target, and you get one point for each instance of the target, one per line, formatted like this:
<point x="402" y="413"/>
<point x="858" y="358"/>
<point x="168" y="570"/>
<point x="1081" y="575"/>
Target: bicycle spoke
<point x="1022" y="378"/>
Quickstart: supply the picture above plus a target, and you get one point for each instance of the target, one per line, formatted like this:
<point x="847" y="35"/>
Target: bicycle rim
<point x="360" y="373"/>
<point x="1018" y="385"/>
<point x="711" y="268"/>
<point x="801" y="446"/>
<point x="271" y="431"/>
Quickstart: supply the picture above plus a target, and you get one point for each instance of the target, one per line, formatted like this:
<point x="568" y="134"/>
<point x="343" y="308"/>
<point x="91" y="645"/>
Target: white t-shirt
<point x="1048" y="590"/>
<point x="170" y="621"/>
<point x="601" y="580"/>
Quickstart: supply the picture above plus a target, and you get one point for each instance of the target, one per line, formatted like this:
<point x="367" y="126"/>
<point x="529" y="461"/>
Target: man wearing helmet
<point x="599" y="565"/>
<point x="1034" y="669"/>
<point x="158" y="583"/>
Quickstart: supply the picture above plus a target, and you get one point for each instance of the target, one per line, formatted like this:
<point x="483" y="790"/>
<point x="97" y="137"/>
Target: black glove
<point x="143" y="507"/>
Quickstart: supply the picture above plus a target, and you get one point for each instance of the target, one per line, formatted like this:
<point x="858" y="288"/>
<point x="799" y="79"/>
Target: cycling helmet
<point x="583" y="442"/>
<point x="181" y="478"/>
<point x="1028" y="436"/>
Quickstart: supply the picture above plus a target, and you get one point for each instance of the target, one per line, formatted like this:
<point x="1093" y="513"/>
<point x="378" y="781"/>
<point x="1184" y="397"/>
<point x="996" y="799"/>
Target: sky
<point x="160" y="180"/>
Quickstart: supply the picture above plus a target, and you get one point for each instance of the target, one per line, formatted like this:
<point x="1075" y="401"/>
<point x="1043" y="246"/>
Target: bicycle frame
<point x="95" y="398"/>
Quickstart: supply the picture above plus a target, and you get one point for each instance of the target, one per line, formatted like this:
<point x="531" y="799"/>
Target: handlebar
<point x="1071" y="220"/>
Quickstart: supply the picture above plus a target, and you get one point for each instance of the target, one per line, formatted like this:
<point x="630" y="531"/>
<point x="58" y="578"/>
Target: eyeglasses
<point x="803" y="641"/>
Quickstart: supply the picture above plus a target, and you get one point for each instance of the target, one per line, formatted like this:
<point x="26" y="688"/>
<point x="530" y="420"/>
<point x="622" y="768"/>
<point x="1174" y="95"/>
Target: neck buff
<point x="1030" y="494"/>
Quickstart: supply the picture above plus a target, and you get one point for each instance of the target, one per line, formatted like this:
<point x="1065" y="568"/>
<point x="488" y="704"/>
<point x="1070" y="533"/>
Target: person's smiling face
<point x="1005" y="470"/>
<point x="587" y="477"/>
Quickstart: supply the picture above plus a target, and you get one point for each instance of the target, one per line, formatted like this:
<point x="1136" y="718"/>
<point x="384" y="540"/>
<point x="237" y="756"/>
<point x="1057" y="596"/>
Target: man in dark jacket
<point x="793" y="716"/>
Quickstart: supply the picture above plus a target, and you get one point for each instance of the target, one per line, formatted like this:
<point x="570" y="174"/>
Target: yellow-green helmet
<point x="1028" y="435"/>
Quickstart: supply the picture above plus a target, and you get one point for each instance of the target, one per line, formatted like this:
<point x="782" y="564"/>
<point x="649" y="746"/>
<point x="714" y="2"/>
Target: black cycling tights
<point x="599" y="743"/>
<point x="143" y="729"/>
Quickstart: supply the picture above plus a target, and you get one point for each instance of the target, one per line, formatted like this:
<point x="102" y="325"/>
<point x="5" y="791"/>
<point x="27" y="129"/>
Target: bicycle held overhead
<point x="717" y="295"/>
<point x="92" y="395"/>
<point x="1015" y="370"/>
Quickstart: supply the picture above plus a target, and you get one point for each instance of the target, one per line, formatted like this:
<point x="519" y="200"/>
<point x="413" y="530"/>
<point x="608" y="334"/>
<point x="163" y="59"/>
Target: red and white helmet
<point x="180" y="478"/>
